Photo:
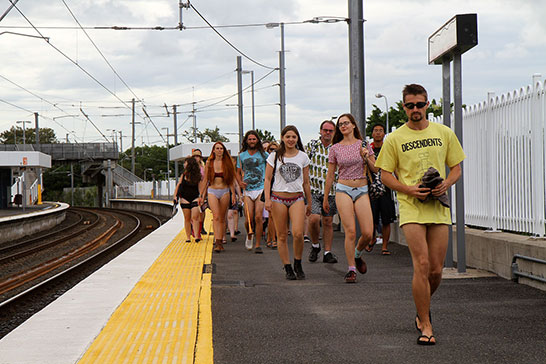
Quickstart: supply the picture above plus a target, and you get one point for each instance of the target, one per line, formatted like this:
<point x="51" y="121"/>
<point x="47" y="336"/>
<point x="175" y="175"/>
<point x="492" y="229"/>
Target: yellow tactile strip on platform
<point x="167" y="317"/>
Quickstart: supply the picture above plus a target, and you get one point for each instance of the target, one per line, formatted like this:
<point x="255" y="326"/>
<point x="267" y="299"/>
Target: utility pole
<point x="38" y="170"/>
<point x="252" y="88"/>
<point x="168" y="185"/>
<point x="194" y="122"/>
<point x="240" y="98"/>
<point x="175" y="142"/>
<point x="282" y="84"/>
<point x="37" y="128"/>
<point x="120" y="142"/>
<point x="133" y="140"/>
<point x="356" y="62"/>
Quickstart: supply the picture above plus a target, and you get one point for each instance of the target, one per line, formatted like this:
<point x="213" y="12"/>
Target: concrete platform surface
<point x="260" y="317"/>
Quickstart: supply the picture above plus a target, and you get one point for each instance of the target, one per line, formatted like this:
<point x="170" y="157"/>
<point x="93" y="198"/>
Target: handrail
<point x="516" y="273"/>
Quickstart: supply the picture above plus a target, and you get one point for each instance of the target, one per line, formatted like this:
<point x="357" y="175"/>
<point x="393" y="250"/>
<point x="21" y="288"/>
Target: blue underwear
<point x="354" y="192"/>
<point x="218" y="192"/>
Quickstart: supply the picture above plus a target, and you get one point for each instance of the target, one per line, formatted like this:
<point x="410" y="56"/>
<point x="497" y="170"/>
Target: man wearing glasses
<point x="408" y="152"/>
<point x="317" y="150"/>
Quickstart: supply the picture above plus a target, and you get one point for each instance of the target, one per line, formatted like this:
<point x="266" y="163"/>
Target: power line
<point x="98" y="50"/>
<point x="235" y="94"/>
<point x="80" y="67"/>
<point x="228" y="42"/>
<point x="116" y="27"/>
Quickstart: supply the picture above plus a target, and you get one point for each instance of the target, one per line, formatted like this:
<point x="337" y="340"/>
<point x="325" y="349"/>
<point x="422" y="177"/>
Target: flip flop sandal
<point x="428" y="340"/>
<point x="385" y="252"/>
<point x="274" y="245"/>
<point x="369" y="247"/>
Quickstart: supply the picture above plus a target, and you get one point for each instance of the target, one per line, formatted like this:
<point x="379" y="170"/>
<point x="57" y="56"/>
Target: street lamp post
<point x="282" y="84"/>
<point x="378" y="95"/>
<point x="252" y="92"/>
<point x="24" y="127"/>
<point x="147" y="169"/>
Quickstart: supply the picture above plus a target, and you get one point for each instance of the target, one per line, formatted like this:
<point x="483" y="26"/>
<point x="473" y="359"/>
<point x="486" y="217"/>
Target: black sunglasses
<point x="411" y="105"/>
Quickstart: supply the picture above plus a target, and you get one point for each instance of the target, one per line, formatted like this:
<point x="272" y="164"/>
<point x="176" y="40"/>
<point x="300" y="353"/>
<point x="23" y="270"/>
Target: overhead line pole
<point x="240" y="98"/>
<point x="175" y="141"/>
<point x="356" y="62"/>
<point x="133" y="138"/>
<point x="282" y="82"/>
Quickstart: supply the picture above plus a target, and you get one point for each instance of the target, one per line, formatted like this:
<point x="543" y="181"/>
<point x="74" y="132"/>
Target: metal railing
<point x="504" y="141"/>
<point x="515" y="268"/>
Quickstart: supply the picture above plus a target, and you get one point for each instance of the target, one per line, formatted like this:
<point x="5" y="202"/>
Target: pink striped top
<point x="348" y="160"/>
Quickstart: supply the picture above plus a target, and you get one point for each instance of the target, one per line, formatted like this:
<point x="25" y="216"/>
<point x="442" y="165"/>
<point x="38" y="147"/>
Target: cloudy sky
<point x="69" y="75"/>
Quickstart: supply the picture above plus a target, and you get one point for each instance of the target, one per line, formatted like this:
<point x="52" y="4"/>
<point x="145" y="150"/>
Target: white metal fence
<point x="504" y="173"/>
<point x="144" y="189"/>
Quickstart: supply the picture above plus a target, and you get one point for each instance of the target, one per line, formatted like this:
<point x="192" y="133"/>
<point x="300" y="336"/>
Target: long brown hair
<point x="227" y="166"/>
<point x="338" y="136"/>
<point x="282" y="148"/>
<point x="192" y="172"/>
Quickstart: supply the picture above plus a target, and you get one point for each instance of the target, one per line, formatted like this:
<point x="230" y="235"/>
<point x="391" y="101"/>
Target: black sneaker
<point x="329" y="258"/>
<point x="306" y="239"/>
<point x="350" y="277"/>
<point x="313" y="254"/>
<point x="203" y="232"/>
<point x="290" y="275"/>
<point x="298" y="269"/>
<point x="361" y="265"/>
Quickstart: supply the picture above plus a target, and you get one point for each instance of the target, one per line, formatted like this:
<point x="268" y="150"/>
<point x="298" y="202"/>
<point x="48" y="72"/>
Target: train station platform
<point x="168" y="301"/>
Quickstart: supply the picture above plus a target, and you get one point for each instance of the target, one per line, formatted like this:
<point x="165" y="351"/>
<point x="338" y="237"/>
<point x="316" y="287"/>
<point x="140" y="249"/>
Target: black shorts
<point x="383" y="207"/>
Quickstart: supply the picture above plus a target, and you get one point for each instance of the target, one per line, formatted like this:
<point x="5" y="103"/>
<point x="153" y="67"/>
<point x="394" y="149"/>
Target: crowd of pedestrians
<point x="284" y="188"/>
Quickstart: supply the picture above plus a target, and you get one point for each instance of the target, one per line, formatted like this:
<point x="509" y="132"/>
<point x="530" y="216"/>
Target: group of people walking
<point x="290" y="183"/>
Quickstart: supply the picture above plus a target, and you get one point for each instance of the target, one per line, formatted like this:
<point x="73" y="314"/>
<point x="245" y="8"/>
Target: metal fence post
<point x="537" y="156"/>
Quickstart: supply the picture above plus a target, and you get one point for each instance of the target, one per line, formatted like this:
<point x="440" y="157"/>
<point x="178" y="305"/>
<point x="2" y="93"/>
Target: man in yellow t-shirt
<point x="408" y="153"/>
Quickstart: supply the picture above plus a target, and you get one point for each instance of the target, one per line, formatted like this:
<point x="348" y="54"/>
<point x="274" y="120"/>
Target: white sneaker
<point x="379" y="241"/>
<point x="248" y="243"/>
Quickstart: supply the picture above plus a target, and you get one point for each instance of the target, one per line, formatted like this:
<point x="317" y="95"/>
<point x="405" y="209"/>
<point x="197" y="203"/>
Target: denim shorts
<point x="354" y="192"/>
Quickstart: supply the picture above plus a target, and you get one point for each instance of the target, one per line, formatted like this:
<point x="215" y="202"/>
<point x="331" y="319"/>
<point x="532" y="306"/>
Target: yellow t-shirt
<point x="409" y="153"/>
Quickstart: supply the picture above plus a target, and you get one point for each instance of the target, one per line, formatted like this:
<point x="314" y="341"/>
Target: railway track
<point x="91" y="237"/>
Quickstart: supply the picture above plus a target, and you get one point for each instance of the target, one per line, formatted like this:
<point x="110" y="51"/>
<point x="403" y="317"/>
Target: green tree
<point x="47" y="136"/>
<point x="149" y="158"/>
<point x="265" y="135"/>
<point x="397" y="116"/>
<point x="207" y="136"/>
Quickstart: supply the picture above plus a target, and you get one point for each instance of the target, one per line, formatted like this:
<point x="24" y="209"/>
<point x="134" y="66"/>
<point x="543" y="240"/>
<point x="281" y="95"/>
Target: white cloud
<point x="178" y="67"/>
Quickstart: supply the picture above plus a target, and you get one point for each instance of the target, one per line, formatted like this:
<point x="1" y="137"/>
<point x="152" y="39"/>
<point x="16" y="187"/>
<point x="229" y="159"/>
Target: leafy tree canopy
<point x="397" y="115"/>
<point x="47" y="136"/>
<point x="265" y="135"/>
<point x="207" y="136"/>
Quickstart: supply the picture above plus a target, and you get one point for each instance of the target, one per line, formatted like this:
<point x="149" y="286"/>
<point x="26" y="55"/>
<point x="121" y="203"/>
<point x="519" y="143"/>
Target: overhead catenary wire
<point x="228" y="42"/>
<point x="98" y="50"/>
<point x="80" y="67"/>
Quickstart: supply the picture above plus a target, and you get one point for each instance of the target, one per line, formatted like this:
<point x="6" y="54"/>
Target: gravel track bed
<point x="15" y="313"/>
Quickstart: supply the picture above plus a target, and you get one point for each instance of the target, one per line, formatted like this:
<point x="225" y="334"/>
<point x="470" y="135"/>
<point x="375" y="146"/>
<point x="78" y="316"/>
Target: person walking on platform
<point x="250" y="174"/>
<point x="351" y="154"/>
<point x="317" y="151"/>
<point x="187" y="193"/>
<point x="409" y="152"/>
<point x="382" y="207"/>
<point x="197" y="154"/>
<point x="286" y="181"/>
<point x="270" y="225"/>
<point x="219" y="181"/>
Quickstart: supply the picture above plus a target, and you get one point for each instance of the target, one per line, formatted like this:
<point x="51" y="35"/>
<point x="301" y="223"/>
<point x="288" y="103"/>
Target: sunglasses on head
<point x="411" y="105"/>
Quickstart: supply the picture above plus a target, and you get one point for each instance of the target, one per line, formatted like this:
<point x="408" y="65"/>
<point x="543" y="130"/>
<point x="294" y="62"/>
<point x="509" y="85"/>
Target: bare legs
<point x="428" y="246"/>
<point x="347" y="211"/>
<point x="254" y="214"/>
<point x="327" y="230"/>
<point x="280" y="214"/>
<point x="219" y="208"/>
